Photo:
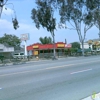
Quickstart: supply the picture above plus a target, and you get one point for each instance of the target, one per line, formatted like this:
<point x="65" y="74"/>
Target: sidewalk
<point x="30" y="61"/>
<point x="93" y="97"/>
<point x="22" y="62"/>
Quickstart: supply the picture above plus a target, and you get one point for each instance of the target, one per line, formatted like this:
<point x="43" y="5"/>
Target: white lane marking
<point x="80" y="71"/>
<point x="36" y="70"/>
<point x="0" y="88"/>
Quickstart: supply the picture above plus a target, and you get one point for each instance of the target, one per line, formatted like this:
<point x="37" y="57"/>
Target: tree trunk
<point x="1" y="11"/>
<point x="54" y="51"/>
<point x="82" y="48"/>
<point x="99" y="33"/>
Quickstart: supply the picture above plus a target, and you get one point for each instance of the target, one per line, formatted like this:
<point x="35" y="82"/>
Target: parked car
<point x="19" y="55"/>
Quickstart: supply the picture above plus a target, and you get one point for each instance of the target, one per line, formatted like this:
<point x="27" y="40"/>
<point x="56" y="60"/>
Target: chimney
<point x="65" y="41"/>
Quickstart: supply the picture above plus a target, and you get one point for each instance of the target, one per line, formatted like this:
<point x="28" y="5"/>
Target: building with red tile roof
<point x="38" y="49"/>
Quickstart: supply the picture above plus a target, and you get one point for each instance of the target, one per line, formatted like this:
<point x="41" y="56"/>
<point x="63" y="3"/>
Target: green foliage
<point x="73" y="50"/>
<point x="92" y="4"/>
<point x="75" y="45"/>
<point x="10" y="40"/>
<point x="45" y="40"/>
<point x="97" y="14"/>
<point x="15" y="23"/>
<point x="70" y="50"/>
<point x="76" y="11"/>
<point x="14" y="20"/>
<point x="1" y="0"/>
<point x="43" y="16"/>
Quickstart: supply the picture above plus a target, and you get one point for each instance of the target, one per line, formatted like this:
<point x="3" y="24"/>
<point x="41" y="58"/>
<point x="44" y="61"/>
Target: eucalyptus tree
<point x="43" y="16"/>
<point x="97" y="15"/>
<point x="14" y="20"/>
<point x="79" y="13"/>
<point x="2" y="3"/>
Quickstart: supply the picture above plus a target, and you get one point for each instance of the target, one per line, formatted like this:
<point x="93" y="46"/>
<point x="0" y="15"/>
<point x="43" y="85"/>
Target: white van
<point x="19" y="55"/>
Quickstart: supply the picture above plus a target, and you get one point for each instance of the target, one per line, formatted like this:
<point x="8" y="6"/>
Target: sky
<point x="23" y="12"/>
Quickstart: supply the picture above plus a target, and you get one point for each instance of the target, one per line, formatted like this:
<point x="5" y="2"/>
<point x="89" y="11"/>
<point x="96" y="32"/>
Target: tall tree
<point x="14" y="20"/>
<point x="10" y="40"/>
<point x="44" y="16"/>
<point x="79" y="13"/>
<point x="45" y="40"/>
<point x="97" y="16"/>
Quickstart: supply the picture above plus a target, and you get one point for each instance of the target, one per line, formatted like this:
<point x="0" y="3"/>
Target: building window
<point x="1" y="50"/>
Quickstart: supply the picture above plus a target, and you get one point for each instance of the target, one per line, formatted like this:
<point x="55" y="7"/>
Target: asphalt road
<point x="63" y="79"/>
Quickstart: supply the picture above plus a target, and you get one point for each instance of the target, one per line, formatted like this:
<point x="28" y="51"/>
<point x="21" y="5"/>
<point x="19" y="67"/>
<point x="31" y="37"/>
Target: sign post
<point x="25" y="37"/>
<point x="25" y="43"/>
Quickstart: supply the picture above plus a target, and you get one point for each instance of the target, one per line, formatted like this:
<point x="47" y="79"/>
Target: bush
<point x="73" y="50"/>
<point x="70" y="51"/>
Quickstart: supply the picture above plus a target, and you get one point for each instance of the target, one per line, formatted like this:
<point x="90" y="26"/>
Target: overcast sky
<point x="23" y="11"/>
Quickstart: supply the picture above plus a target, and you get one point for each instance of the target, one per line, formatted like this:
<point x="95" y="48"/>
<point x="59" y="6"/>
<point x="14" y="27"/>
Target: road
<point x="63" y="79"/>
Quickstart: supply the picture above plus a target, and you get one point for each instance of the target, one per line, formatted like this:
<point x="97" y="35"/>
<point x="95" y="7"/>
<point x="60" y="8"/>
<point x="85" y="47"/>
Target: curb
<point x="26" y="62"/>
<point x="16" y="63"/>
<point x="94" y="96"/>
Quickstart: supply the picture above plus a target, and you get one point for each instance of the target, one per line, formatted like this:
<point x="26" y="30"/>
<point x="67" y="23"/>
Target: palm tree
<point x="45" y="40"/>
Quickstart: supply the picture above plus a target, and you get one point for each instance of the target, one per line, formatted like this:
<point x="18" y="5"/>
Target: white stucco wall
<point x="6" y="49"/>
<point x="86" y="46"/>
